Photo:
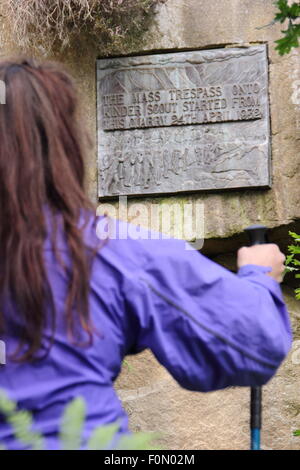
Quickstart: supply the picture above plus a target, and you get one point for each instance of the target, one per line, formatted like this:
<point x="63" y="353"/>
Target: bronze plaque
<point x="183" y="121"/>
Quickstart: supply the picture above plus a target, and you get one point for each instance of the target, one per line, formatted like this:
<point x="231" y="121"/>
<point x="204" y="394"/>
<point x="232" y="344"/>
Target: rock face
<point x="153" y="400"/>
<point x="197" y="25"/>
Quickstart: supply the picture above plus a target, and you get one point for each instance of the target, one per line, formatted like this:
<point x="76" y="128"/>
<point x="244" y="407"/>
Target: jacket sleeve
<point x="209" y="327"/>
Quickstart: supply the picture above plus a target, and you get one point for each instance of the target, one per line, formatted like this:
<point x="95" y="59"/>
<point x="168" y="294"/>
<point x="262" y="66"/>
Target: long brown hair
<point x="41" y="165"/>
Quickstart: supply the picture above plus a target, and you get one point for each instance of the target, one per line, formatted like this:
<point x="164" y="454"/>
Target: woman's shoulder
<point x="138" y="246"/>
<point x="121" y="244"/>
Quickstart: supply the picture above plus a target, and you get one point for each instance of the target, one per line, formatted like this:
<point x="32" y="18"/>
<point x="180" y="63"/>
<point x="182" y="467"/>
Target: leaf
<point x="290" y="39"/>
<point x="283" y="7"/>
<point x="139" y="441"/>
<point x="294" y="11"/>
<point x="102" y="436"/>
<point x="297" y="292"/>
<point x="21" y="422"/>
<point x="72" y="424"/>
<point x="294" y="249"/>
<point x="289" y="259"/>
<point x="297" y="432"/>
<point x="7" y="406"/>
<point x="294" y="235"/>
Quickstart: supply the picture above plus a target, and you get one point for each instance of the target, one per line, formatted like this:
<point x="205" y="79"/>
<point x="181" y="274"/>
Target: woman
<point x="72" y="307"/>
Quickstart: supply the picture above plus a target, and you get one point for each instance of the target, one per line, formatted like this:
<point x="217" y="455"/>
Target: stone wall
<point x="153" y="400"/>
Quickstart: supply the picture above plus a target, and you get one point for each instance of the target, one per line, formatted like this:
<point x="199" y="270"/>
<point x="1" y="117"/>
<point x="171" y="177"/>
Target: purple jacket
<point x="210" y="328"/>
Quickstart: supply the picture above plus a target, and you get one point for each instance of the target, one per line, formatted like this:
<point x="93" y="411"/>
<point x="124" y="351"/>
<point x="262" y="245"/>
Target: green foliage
<point x="292" y="263"/>
<point x="288" y="13"/>
<point x="71" y="432"/>
<point x="21" y="423"/>
<point x="141" y="442"/>
<point x="72" y="424"/>
<point x="101" y="437"/>
<point x="296" y="433"/>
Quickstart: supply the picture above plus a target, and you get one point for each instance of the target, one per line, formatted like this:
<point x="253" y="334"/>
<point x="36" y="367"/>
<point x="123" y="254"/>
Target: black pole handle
<point x="257" y="235"/>
<point x="256" y="408"/>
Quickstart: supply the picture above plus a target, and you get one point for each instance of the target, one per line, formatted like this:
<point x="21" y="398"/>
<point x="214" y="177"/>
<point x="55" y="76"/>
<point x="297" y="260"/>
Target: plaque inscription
<point x="185" y="121"/>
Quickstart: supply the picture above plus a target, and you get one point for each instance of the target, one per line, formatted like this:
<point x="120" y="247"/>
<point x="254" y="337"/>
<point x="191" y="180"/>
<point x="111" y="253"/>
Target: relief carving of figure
<point x="111" y="181"/>
<point x="127" y="169"/>
<point x="177" y="161"/>
<point x="158" y="167"/>
<point x="133" y="159"/>
<point x="149" y="171"/>
<point x="121" y="169"/>
<point x="166" y="163"/>
<point x="185" y="159"/>
<point x="139" y="168"/>
<point x="103" y="170"/>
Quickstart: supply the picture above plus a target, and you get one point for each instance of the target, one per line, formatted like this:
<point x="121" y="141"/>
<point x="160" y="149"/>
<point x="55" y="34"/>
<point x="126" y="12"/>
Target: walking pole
<point x="257" y="235"/>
